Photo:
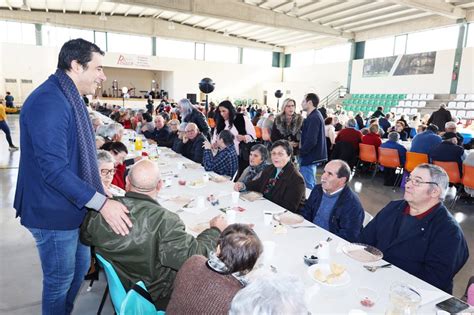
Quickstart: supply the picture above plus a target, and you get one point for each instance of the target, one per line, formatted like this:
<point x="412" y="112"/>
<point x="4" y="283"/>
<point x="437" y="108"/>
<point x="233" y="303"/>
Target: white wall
<point x="140" y="79"/>
<point x="321" y="79"/>
<point x="439" y="82"/>
<point x="466" y="74"/>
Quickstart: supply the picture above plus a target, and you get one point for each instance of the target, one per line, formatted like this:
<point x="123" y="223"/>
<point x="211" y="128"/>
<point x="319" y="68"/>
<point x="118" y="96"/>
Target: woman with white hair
<point x="106" y="163"/>
<point x="190" y="114"/>
<point x="287" y="125"/>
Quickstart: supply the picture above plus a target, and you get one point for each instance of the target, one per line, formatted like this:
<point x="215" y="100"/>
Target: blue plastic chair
<point x="124" y="303"/>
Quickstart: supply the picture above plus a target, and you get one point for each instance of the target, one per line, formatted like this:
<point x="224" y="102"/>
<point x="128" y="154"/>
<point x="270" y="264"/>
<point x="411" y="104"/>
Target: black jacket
<point x="158" y="135"/>
<point x="192" y="149"/>
<point x="200" y="120"/>
<point x="440" y="118"/>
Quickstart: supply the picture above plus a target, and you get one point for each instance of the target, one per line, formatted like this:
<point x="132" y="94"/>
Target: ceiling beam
<point x="374" y="8"/>
<point x="129" y="10"/>
<point x="392" y="21"/>
<point x="99" y="4"/>
<point x="9" y="5"/>
<point x="326" y="6"/>
<point x="80" y="6"/>
<point x="233" y="10"/>
<point x="142" y="12"/>
<point x="281" y="5"/>
<point x="386" y="16"/>
<point x="435" y="7"/>
<point x="141" y="26"/>
<point x="64" y="6"/>
<point x="114" y="9"/>
<point x="343" y="7"/>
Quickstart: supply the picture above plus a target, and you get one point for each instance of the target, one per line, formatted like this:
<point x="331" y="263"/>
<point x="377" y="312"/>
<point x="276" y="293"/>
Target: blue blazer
<point x="347" y="215"/>
<point x="313" y="148"/>
<point x="434" y="251"/>
<point x="49" y="193"/>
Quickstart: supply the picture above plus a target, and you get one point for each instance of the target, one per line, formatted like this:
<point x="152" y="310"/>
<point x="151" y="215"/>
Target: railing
<point x="338" y="93"/>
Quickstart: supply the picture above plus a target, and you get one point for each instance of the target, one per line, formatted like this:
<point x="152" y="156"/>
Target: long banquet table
<point x="290" y="246"/>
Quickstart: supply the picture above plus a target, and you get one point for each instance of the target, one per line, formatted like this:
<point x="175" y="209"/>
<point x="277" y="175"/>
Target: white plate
<point x="196" y="184"/>
<point x="288" y="218"/>
<point x="362" y="252"/>
<point x="343" y="279"/>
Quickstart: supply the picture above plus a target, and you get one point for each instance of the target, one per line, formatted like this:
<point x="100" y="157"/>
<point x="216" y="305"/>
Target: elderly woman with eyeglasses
<point x="280" y="182"/>
<point x="106" y="163"/>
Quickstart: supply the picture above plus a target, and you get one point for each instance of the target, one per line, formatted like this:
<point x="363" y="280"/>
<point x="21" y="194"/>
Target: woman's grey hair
<point x="393" y="136"/>
<point x="351" y="123"/>
<point x="262" y="150"/>
<point x="270" y="294"/>
<point x="109" y="131"/>
<point x="439" y="176"/>
<point x="186" y="106"/>
<point x="104" y="157"/>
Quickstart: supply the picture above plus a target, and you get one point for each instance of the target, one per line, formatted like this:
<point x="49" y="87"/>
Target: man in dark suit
<point x="448" y="151"/>
<point x="58" y="178"/>
<point x="440" y="117"/>
<point x="191" y="146"/>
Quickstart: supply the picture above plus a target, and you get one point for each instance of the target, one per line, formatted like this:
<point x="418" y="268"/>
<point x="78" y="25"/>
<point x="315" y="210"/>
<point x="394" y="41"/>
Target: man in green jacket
<point x="157" y="245"/>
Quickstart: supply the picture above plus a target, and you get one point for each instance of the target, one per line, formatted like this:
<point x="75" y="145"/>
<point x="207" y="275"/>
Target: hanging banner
<point x="422" y="63"/>
<point x="378" y="67"/>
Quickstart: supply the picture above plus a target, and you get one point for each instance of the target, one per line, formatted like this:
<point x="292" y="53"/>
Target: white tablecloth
<point x="291" y="247"/>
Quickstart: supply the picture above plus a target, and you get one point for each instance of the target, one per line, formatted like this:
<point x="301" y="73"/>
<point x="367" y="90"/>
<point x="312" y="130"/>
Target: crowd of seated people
<point x="185" y="270"/>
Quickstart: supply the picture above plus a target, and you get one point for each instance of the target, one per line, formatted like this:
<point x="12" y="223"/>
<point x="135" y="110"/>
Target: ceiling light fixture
<point x="24" y="6"/>
<point x="102" y="16"/>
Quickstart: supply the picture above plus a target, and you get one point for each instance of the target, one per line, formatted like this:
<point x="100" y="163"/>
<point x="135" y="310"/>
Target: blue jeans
<point x="65" y="261"/>
<point x="309" y="175"/>
<point x="4" y="127"/>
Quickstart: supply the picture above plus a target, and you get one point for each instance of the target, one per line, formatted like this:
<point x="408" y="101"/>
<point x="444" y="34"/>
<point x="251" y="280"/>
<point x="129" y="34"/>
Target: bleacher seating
<point x="369" y="102"/>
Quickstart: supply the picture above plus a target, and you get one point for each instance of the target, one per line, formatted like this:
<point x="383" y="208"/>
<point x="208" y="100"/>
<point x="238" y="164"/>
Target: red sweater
<point x="119" y="177"/>
<point x="350" y="135"/>
<point x="372" y="139"/>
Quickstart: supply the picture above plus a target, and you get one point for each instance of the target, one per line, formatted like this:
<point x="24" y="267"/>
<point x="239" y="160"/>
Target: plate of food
<point x="362" y="252"/>
<point x="251" y="196"/>
<point x="333" y="275"/>
<point x="288" y="218"/>
<point x="218" y="178"/>
<point x="193" y="166"/>
<point x="198" y="183"/>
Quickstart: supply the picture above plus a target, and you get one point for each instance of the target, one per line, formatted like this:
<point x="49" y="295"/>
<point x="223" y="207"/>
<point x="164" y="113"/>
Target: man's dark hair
<point x="79" y="50"/>
<point x="344" y="170"/>
<point x="285" y="144"/>
<point x="313" y="98"/>
<point x="380" y="108"/>
<point x="240" y="248"/>
<point x="432" y="127"/>
<point x="147" y="117"/>
<point x="116" y="147"/>
<point x="227" y="137"/>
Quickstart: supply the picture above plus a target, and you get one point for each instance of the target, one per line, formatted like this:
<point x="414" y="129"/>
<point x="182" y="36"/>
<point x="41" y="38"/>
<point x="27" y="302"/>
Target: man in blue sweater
<point x="333" y="206"/>
<point x="425" y="141"/>
<point x="418" y="234"/>
<point x="313" y="140"/>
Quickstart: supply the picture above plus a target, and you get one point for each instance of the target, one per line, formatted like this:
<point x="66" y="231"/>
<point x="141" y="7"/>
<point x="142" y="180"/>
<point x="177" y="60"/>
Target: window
<point x="339" y="53"/>
<point x="470" y="35"/>
<point x="56" y="36"/>
<point x="400" y="45"/>
<point x="14" y="32"/>
<point x="257" y="57"/>
<point x="379" y="47"/>
<point x="432" y="40"/>
<point x="199" y="53"/>
<point x="174" y="48"/>
<point x="129" y="44"/>
<point x="302" y="58"/>
<point x="100" y="39"/>
<point x="222" y="53"/>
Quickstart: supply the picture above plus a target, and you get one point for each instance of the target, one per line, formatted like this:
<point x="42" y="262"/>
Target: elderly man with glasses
<point x="191" y="145"/>
<point x="418" y="234"/>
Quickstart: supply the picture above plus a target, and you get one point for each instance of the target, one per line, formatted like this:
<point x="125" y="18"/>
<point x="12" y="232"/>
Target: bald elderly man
<point x="190" y="145"/>
<point x="157" y="245"/>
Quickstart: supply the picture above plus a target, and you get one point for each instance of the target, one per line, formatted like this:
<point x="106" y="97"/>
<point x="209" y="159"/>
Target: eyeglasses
<point x="416" y="182"/>
<point x="279" y="154"/>
<point x="105" y="172"/>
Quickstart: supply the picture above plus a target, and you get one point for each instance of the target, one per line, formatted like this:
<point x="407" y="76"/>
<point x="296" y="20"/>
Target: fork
<point x="301" y="226"/>
<point x="375" y="268"/>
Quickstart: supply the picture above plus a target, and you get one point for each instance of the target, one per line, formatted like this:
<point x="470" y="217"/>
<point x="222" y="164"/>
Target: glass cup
<point x="404" y="300"/>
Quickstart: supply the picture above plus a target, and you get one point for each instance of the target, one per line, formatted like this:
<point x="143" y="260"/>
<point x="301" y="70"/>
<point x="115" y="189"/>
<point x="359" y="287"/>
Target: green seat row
<point x="380" y="96"/>
<point x="370" y="102"/>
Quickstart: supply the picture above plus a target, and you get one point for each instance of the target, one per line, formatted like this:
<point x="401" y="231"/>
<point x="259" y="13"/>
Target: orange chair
<point x="390" y="158"/>
<point x="414" y="159"/>
<point x="258" y="132"/>
<point x="452" y="169"/>
<point x="367" y="154"/>
<point x="468" y="176"/>
<point x="211" y="122"/>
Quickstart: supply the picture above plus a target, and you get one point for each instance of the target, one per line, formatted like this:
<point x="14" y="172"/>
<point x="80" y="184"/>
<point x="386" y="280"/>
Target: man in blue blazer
<point x="418" y="234"/>
<point x="58" y="178"/>
<point x="333" y="206"/>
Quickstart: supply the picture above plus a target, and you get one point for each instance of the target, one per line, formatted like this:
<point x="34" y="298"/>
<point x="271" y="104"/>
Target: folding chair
<point x="389" y="158"/>
<point x="367" y="154"/>
<point x="452" y="169"/>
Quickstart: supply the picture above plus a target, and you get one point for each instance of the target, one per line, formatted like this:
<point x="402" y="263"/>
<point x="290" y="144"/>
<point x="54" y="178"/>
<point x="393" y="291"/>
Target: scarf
<point x="267" y="191"/>
<point x="254" y="171"/>
<point x="88" y="167"/>
<point x="214" y="263"/>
